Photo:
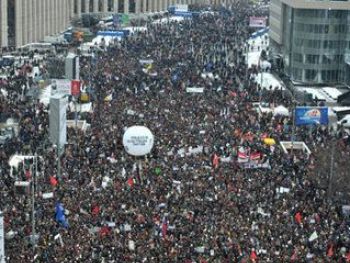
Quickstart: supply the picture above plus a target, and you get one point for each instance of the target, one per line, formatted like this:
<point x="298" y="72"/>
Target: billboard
<point x="75" y="87"/>
<point x="255" y="21"/>
<point x="58" y="120"/>
<point x="311" y="115"/>
<point x="72" y="66"/>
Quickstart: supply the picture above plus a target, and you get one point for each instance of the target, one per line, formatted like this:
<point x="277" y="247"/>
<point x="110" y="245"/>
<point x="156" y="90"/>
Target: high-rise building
<point x="313" y="38"/>
<point x="28" y="21"/>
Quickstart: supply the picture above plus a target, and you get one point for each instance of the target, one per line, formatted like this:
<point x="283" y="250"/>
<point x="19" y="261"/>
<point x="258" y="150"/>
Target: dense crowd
<point x="177" y="204"/>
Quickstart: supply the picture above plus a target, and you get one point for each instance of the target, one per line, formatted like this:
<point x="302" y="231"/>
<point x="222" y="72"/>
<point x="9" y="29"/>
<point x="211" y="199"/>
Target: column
<point x="25" y="19"/>
<point x="137" y="6"/>
<point x="95" y="6"/>
<point x="149" y="6"/>
<point x="104" y="6"/>
<point x="126" y="6"/>
<point x="153" y="5"/>
<point x="165" y="5"/>
<point x="4" y="25"/>
<point x="78" y="8"/>
<point x="144" y="6"/>
<point x="45" y="17"/>
<point x="19" y="22"/>
<point x="40" y="20"/>
<point x="71" y="7"/>
<point x="28" y="27"/>
<point x="57" y="15"/>
<point x="35" y="16"/>
<point x="115" y="6"/>
<point x="66" y="13"/>
<point x="52" y="17"/>
<point x="86" y="6"/>
<point x="159" y="5"/>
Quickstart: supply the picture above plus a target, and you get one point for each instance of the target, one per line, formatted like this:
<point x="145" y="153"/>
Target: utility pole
<point x="2" y="238"/>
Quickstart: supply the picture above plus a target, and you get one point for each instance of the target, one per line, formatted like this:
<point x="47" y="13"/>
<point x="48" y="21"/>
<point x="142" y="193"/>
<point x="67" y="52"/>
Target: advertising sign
<point x="255" y="21"/>
<point x="75" y="87"/>
<point x="311" y="115"/>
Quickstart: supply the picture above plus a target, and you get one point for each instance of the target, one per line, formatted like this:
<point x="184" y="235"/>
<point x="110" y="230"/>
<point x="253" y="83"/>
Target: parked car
<point x="345" y="121"/>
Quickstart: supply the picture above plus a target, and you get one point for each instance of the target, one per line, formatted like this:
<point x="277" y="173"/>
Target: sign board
<point x="58" y="120"/>
<point x="182" y="8"/>
<point x="183" y="13"/>
<point x="61" y="87"/>
<point x="194" y="90"/>
<point x="311" y="115"/>
<point x="255" y="21"/>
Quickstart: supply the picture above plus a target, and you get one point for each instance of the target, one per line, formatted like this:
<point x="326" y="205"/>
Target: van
<point x="7" y="61"/>
<point x="345" y="121"/>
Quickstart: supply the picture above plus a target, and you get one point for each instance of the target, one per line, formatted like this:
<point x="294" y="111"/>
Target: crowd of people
<point x="178" y="204"/>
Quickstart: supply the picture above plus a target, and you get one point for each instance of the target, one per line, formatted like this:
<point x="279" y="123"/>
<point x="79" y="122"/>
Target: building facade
<point x="28" y="21"/>
<point x="313" y="37"/>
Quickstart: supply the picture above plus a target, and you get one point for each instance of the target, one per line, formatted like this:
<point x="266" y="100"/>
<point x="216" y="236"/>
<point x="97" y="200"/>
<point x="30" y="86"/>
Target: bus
<point x="38" y="47"/>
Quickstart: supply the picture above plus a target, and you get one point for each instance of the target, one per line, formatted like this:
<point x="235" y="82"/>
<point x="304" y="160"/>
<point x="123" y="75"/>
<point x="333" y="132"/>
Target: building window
<point x="297" y="74"/>
<point x="312" y="59"/>
<point x="298" y="57"/>
<point x="310" y="74"/>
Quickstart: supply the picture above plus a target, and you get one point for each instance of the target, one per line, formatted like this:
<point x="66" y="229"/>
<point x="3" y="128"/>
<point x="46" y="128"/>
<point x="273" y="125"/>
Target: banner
<point x="257" y="21"/>
<point x="245" y="156"/>
<point x="311" y="115"/>
<point x="194" y="90"/>
<point x="75" y="87"/>
<point x="2" y="239"/>
<point x="183" y="13"/>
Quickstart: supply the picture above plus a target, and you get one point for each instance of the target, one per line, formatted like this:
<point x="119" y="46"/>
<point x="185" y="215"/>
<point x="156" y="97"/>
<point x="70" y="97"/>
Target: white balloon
<point x="138" y="140"/>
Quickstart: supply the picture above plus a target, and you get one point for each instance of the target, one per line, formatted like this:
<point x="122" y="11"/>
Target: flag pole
<point x="33" y="201"/>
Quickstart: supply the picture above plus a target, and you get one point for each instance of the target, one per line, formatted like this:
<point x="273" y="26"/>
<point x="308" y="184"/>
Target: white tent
<point x="280" y="110"/>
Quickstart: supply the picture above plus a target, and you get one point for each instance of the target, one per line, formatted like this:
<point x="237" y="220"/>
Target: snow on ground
<point x="334" y="93"/>
<point x="268" y="80"/>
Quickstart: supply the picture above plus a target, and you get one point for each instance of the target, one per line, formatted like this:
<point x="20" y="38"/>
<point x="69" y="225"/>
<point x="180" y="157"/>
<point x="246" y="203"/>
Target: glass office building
<point x="314" y="42"/>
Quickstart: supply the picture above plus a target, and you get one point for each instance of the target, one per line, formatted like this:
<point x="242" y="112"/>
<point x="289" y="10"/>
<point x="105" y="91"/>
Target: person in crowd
<point x="177" y="204"/>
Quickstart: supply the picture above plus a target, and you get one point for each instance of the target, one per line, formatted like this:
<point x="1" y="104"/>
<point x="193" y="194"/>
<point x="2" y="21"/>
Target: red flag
<point x="347" y="257"/>
<point x="294" y="257"/>
<point x="298" y="218"/>
<point x="53" y="181"/>
<point x="330" y="251"/>
<point x="255" y="156"/>
<point x="131" y="182"/>
<point x="216" y="161"/>
<point x="75" y="87"/>
<point x="164" y="227"/>
<point x="253" y="256"/>
<point x="104" y="231"/>
<point x="95" y="210"/>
